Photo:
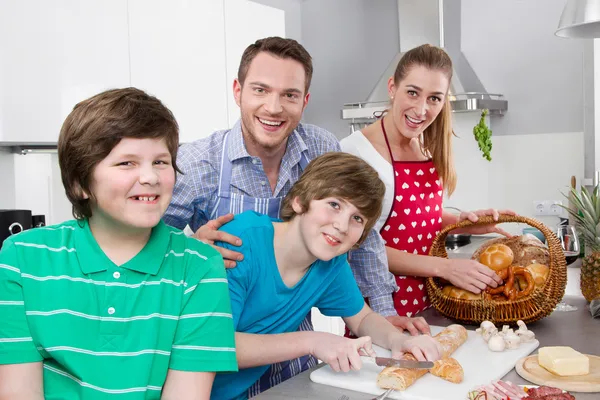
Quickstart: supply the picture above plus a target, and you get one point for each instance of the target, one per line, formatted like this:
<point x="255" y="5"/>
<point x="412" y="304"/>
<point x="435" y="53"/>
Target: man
<point x="254" y="165"/>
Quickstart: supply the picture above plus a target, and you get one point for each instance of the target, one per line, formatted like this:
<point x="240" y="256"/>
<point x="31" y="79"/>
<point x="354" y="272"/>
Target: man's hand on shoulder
<point x="209" y="233"/>
<point x="414" y="326"/>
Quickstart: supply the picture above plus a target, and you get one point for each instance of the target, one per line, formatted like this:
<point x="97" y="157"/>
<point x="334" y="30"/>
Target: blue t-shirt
<point x="261" y="303"/>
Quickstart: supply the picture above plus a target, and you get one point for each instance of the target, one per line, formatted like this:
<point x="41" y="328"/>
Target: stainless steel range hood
<point x="436" y="22"/>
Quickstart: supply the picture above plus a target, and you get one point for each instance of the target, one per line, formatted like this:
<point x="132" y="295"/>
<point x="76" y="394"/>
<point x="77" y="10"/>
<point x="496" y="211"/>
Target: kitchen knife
<point x="390" y="362"/>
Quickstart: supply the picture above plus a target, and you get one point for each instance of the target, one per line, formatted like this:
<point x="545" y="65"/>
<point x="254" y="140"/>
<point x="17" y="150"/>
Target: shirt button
<point x="254" y="161"/>
<point x="117" y="275"/>
<point x="263" y="183"/>
<point x="111" y="310"/>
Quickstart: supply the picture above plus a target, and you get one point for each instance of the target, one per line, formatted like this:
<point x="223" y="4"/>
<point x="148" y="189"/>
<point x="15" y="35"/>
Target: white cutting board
<point x="480" y="366"/>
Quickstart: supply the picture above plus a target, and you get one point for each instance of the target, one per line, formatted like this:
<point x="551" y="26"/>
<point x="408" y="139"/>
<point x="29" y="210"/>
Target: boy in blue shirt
<point x="299" y="262"/>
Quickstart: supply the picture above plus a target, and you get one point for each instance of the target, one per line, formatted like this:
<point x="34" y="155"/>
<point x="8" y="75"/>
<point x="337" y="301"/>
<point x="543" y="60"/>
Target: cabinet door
<point x="178" y="54"/>
<point x="246" y="22"/>
<point x="54" y="54"/>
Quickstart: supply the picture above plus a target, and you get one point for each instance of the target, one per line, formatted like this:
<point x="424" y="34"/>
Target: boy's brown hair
<point x="341" y="175"/>
<point x="96" y="125"/>
<point x="281" y="48"/>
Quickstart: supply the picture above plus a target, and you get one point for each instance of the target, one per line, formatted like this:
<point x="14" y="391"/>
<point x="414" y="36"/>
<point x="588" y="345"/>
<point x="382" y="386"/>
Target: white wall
<point x="293" y="16"/>
<point x="7" y="179"/>
<point x="524" y="169"/>
<point x="512" y="47"/>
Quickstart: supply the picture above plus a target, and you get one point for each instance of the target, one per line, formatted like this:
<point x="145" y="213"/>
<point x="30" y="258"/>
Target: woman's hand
<point x="470" y="275"/>
<point x="473" y="216"/>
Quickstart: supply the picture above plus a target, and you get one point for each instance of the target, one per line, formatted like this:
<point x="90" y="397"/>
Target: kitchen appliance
<point x="480" y="365"/>
<point x="15" y="221"/>
<point x="456" y="240"/>
<point x="436" y="22"/>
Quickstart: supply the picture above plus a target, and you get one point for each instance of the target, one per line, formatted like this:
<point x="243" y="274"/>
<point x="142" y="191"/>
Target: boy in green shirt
<point x="114" y="302"/>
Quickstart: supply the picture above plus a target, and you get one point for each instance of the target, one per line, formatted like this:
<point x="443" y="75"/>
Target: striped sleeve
<point x="205" y="338"/>
<point x="16" y="343"/>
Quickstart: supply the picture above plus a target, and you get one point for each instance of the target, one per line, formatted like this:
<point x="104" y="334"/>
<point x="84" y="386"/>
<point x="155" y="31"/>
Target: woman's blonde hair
<point x="437" y="138"/>
<point x="340" y="175"/>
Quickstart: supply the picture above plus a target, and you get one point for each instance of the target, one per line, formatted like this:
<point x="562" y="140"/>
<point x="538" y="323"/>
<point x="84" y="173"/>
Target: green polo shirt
<point x="104" y="330"/>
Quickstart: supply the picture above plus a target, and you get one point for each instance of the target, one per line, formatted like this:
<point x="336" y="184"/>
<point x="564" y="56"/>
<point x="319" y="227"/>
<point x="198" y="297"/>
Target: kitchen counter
<point x="575" y="328"/>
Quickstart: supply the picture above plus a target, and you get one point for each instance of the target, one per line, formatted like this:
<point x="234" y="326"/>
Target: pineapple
<point x="587" y="218"/>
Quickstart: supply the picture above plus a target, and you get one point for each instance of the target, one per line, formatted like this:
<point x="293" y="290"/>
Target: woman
<point x="411" y="148"/>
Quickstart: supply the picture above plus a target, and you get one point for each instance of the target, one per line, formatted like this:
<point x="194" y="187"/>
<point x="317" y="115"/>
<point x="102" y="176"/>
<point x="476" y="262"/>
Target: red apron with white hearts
<point x="414" y="220"/>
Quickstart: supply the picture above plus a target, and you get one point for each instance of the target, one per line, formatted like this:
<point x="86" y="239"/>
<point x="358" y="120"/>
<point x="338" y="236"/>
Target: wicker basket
<point x="539" y="304"/>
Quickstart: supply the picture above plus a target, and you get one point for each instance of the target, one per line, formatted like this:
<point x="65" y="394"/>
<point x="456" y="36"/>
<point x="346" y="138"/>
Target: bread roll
<point x="401" y="378"/>
<point x="497" y="257"/>
<point x="539" y="272"/>
<point x="453" y="291"/>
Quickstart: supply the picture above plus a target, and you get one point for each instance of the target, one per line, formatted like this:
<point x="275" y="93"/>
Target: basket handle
<point x="438" y="245"/>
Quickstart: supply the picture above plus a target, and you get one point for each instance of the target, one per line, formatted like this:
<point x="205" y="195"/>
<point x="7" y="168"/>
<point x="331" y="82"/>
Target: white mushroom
<point x="496" y="343"/>
<point x="506" y="330"/>
<point x="512" y="340"/>
<point x="525" y="334"/>
<point x="487" y="329"/>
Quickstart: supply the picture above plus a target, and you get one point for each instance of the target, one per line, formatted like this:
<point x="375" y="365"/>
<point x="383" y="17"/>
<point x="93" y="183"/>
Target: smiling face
<point x="330" y="227"/>
<point x="133" y="185"/>
<point x="271" y="101"/>
<point x="417" y="100"/>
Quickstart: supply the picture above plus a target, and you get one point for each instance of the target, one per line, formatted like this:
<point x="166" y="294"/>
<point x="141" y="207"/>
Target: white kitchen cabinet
<point x="246" y="22"/>
<point x="54" y="54"/>
<point x="177" y="50"/>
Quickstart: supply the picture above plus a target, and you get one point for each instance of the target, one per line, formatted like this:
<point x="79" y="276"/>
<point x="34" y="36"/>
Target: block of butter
<point x="563" y="361"/>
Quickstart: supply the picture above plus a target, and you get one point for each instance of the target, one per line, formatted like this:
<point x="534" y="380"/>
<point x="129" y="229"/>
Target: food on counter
<point x="505" y="390"/>
<point x="587" y="219"/>
<point x="455" y="292"/>
<point x="563" y="361"/>
<point x="505" y="339"/>
<point x="527" y="249"/>
<point x="498" y="390"/>
<point x="512" y="290"/>
<point x="521" y="261"/>
<point x="487" y="329"/>
<point x="496" y="343"/>
<point x="450" y="339"/>
<point x="448" y="369"/>
<point x="525" y="334"/>
<point x="497" y="256"/>
<point x="539" y="272"/>
<point x="547" y="393"/>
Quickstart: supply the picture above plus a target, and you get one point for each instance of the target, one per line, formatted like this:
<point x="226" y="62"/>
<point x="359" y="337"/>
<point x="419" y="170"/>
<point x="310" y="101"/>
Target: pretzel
<point x="509" y="290"/>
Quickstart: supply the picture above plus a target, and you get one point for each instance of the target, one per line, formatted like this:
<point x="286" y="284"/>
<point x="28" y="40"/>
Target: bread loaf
<point x="450" y="339"/>
<point x="526" y="250"/>
<point x="448" y="369"/>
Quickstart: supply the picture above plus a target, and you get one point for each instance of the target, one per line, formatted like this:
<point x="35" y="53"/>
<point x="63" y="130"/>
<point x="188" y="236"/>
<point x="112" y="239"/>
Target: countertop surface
<point x="575" y="328"/>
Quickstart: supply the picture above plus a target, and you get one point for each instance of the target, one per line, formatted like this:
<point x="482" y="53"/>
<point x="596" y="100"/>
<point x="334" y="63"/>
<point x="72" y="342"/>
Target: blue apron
<point x="234" y="203"/>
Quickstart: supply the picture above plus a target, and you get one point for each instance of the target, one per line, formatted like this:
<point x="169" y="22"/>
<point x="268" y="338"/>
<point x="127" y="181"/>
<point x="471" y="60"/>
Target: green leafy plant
<point x="483" y="135"/>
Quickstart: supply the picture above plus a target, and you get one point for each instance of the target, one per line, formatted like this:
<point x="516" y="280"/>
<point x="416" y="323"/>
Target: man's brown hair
<point x="340" y="175"/>
<point x="96" y="125"/>
<point x="280" y="48"/>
